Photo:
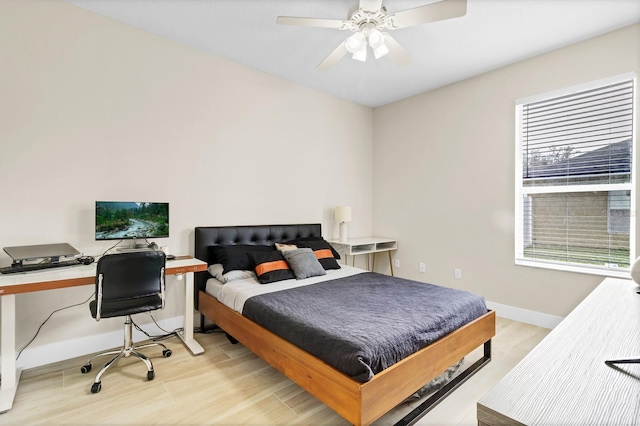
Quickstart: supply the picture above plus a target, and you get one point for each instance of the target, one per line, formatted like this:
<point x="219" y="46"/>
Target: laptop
<point x="42" y="251"/>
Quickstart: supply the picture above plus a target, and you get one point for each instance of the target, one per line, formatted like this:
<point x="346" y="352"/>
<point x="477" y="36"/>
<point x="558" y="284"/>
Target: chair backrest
<point x="131" y="275"/>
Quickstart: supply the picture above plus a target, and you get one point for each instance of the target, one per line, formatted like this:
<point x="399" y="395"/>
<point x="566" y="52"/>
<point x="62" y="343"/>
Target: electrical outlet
<point x="396" y="263"/>
<point x="421" y="267"/>
<point x="457" y="273"/>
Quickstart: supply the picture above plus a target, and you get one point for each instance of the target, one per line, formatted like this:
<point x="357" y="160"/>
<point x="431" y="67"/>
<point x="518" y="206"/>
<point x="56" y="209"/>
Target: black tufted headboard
<point x="206" y="236"/>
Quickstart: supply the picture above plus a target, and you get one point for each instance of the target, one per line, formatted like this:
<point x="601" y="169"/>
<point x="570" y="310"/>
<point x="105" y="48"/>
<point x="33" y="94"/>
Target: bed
<point x="360" y="397"/>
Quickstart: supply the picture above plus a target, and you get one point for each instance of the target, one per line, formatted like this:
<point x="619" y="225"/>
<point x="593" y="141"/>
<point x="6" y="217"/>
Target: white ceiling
<point x="494" y="33"/>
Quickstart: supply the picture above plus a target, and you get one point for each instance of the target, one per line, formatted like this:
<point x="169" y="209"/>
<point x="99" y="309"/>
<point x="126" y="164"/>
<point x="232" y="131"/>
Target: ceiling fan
<point x="368" y="24"/>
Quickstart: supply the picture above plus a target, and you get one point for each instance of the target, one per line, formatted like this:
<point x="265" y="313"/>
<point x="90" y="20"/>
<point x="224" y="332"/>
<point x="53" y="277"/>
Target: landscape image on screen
<point x="126" y="220"/>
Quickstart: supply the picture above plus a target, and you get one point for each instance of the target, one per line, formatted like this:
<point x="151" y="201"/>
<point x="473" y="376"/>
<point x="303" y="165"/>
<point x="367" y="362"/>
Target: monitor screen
<point x="116" y="220"/>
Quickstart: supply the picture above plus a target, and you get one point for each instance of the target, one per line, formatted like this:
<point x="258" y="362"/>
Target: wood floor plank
<point x="226" y="385"/>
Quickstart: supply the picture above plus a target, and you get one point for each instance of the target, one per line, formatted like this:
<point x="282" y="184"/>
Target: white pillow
<point x="285" y="247"/>
<point x="217" y="268"/>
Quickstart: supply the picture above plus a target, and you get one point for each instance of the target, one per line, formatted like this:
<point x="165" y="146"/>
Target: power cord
<point x="110" y="248"/>
<point x="97" y="256"/>
<point x="165" y="336"/>
<point x="45" y="321"/>
<point x="208" y="330"/>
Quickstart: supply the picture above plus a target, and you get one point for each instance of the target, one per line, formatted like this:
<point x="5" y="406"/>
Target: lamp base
<point x="343" y="231"/>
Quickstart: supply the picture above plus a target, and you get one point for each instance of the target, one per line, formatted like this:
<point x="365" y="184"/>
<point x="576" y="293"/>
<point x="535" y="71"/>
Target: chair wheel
<point x="151" y="375"/>
<point x="166" y="353"/>
<point x="95" y="388"/>
<point x="85" y="368"/>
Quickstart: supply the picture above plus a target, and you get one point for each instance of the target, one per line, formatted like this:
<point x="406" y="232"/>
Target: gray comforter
<point x="364" y="323"/>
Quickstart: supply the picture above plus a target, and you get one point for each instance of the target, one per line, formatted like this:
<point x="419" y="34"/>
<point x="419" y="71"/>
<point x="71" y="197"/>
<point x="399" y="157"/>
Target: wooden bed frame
<point x="359" y="403"/>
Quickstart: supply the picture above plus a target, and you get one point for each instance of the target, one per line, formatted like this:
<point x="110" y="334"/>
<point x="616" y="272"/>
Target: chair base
<point x="127" y="350"/>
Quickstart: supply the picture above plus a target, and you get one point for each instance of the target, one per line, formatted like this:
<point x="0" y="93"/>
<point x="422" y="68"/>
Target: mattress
<point x="357" y="321"/>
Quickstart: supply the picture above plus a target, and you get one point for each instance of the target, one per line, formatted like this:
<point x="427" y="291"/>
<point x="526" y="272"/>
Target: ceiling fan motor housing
<point x="361" y="20"/>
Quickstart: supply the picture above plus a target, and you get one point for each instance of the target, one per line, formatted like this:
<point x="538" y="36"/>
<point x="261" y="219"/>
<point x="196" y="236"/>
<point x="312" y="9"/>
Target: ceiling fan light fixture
<point x="376" y="41"/>
<point x="375" y="38"/>
<point x="356" y="42"/>
<point x="380" y="51"/>
<point x="361" y="53"/>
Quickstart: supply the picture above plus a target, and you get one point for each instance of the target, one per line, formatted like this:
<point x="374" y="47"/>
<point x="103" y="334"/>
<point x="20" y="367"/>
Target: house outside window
<point x="575" y="193"/>
<point x="619" y="212"/>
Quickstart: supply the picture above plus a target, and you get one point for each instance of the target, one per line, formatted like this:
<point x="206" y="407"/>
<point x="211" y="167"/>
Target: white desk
<point x="367" y="246"/>
<point x="73" y="276"/>
<point x="564" y="380"/>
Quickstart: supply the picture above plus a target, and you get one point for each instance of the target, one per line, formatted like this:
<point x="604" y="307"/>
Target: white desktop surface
<point x="7" y="281"/>
<point x="71" y="276"/>
<point x="27" y="282"/>
<point x="564" y="380"/>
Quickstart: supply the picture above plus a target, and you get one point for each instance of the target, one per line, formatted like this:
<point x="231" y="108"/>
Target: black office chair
<point x="127" y="284"/>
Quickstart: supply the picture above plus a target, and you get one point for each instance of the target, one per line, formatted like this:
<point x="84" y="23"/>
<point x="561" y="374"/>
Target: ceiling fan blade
<point x="445" y="9"/>
<point x="370" y="5"/>
<point x="311" y="22"/>
<point x="333" y="57"/>
<point x="396" y="54"/>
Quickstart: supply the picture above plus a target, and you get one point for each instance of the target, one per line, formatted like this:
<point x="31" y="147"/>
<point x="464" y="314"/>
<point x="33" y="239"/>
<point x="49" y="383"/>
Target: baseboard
<point x="524" y="315"/>
<point x="37" y="356"/>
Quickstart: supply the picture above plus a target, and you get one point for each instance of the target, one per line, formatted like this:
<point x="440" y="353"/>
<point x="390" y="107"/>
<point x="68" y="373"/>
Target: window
<point x="574" y="178"/>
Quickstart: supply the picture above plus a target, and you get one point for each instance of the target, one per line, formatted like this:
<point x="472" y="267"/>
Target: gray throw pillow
<point x="304" y="263"/>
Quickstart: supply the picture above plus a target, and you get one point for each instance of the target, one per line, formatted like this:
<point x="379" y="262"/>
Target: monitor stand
<point x="133" y="246"/>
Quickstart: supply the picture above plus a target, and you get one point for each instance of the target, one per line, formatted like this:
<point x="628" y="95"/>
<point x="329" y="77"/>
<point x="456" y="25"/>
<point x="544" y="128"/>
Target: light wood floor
<point x="225" y="385"/>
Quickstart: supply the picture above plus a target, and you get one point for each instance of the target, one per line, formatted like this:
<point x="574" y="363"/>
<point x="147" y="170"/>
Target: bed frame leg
<point x="206" y="328"/>
<point x="421" y="410"/>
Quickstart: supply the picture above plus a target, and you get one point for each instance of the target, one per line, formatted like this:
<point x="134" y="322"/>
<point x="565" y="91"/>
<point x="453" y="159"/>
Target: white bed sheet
<point x="233" y="294"/>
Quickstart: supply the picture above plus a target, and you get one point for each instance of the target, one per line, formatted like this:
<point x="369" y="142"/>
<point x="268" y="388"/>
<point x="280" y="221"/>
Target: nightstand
<point x="367" y="246"/>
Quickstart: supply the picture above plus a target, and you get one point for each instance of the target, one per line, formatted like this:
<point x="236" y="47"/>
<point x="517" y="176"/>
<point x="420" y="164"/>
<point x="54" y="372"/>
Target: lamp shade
<point x="342" y="214"/>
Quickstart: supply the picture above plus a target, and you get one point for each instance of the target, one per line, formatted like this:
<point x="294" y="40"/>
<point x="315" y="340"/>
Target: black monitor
<point x="118" y="220"/>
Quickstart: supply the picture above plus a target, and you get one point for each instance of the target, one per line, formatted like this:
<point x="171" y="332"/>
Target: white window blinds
<point x="574" y="178"/>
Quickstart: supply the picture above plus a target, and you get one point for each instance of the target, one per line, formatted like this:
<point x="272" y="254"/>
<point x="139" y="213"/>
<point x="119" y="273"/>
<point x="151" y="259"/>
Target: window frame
<point x="521" y="233"/>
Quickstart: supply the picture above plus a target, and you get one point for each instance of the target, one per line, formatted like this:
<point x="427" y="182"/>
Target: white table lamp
<point x="342" y="215"/>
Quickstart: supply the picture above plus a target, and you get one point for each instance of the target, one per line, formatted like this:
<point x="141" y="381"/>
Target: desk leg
<point x="187" y="333"/>
<point x="10" y="374"/>
<point x="390" y="263"/>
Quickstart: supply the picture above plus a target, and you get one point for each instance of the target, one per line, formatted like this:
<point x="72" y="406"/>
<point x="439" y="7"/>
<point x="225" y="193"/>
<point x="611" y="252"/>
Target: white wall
<point x="444" y="172"/>
<point x="91" y="109"/>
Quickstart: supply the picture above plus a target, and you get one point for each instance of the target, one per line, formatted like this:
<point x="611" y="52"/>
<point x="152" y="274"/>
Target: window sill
<point x="614" y="273"/>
